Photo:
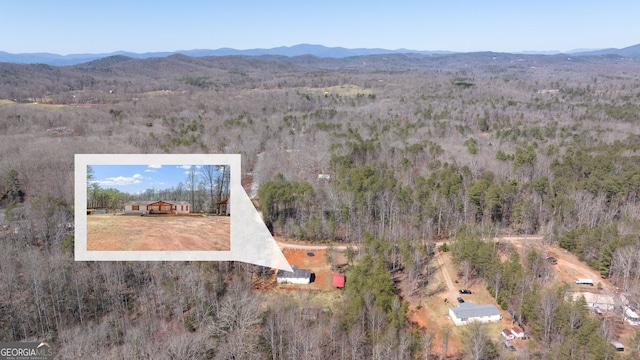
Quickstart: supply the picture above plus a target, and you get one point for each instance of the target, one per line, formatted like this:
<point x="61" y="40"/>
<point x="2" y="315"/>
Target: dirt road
<point x="289" y="244"/>
<point x="453" y="292"/>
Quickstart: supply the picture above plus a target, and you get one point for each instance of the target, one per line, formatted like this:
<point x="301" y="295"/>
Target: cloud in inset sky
<point x="121" y="180"/>
<point x="134" y="179"/>
<point x="151" y="168"/>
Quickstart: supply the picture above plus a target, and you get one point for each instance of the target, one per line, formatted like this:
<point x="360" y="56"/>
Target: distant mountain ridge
<point x="630" y="51"/>
<point x="289" y="51"/>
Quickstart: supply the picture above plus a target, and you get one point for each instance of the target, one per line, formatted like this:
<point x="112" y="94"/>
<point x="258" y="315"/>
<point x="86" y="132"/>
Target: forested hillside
<point x="385" y="152"/>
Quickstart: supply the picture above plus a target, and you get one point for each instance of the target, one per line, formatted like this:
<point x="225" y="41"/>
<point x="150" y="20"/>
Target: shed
<point x="338" y="280"/>
<point x="583" y="281"/>
<point x="617" y="345"/>
<point x="223" y="207"/>
<point x="468" y="311"/>
<point x="506" y="333"/>
<point x="297" y="276"/>
<point x="517" y="332"/>
<point x="631" y="316"/>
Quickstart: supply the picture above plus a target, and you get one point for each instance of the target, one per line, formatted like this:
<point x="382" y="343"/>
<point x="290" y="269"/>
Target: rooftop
<point x="469" y="310"/>
<point x="617" y="345"/>
<point x="155" y="201"/>
<point x="296" y="274"/>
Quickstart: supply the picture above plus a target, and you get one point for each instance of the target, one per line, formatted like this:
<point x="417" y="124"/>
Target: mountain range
<point x="289" y="51"/>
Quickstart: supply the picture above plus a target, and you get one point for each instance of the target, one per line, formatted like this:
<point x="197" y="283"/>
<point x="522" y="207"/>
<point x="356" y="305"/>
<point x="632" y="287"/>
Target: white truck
<point x="584" y="282"/>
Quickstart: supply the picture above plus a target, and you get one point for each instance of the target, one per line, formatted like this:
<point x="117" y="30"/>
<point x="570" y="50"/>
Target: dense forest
<point x="389" y="153"/>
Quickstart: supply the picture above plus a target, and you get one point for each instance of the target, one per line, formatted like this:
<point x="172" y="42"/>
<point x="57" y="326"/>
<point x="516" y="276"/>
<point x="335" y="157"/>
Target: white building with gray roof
<point x="467" y="312"/>
<point x="297" y="276"/>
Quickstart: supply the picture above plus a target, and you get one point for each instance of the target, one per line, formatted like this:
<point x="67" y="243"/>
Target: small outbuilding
<point x="298" y="276"/>
<point x="222" y="207"/>
<point x="517" y="333"/>
<point x="631" y="316"/>
<point x="338" y="280"/>
<point x="506" y="333"/>
<point x="583" y="281"/>
<point x="468" y="311"/>
<point x="617" y="345"/>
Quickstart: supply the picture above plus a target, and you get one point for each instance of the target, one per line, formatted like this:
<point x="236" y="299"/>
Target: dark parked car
<point x="465" y="291"/>
<point x="460" y="300"/>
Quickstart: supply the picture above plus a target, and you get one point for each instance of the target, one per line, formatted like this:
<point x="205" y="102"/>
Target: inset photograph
<point x="158" y="207"/>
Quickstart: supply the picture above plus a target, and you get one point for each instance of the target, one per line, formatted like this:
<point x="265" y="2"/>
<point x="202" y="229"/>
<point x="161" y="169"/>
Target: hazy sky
<point x="67" y="27"/>
<point x="134" y="179"/>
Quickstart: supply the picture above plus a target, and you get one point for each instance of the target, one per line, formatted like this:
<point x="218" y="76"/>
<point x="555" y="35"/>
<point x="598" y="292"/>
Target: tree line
<point x="204" y="187"/>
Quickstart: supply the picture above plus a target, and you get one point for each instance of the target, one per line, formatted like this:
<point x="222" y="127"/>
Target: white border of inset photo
<point x="83" y="160"/>
<point x="250" y="240"/>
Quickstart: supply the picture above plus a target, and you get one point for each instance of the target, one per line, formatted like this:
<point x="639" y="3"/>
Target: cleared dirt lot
<point x="318" y="266"/>
<point x="158" y="233"/>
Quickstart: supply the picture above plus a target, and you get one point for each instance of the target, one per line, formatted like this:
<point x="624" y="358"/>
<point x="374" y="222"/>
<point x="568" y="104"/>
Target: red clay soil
<point x="316" y="263"/>
<point x="431" y="313"/>
<point x="158" y="233"/>
<point x="568" y="267"/>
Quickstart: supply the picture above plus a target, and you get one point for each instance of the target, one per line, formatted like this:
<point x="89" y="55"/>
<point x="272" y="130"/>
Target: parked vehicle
<point x="460" y="300"/>
<point x="509" y="346"/>
<point x="465" y="291"/>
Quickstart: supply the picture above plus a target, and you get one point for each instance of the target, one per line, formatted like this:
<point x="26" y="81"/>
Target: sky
<point x="76" y="27"/>
<point x="134" y="179"/>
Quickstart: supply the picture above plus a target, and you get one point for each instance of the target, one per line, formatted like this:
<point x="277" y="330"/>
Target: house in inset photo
<point x="157" y="207"/>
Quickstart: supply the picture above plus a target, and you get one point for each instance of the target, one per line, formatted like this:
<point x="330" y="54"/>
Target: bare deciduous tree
<point x="236" y="323"/>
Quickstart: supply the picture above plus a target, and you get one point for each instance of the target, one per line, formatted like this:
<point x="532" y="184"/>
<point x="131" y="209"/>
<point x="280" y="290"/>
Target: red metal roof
<point x="338" y="280"/>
